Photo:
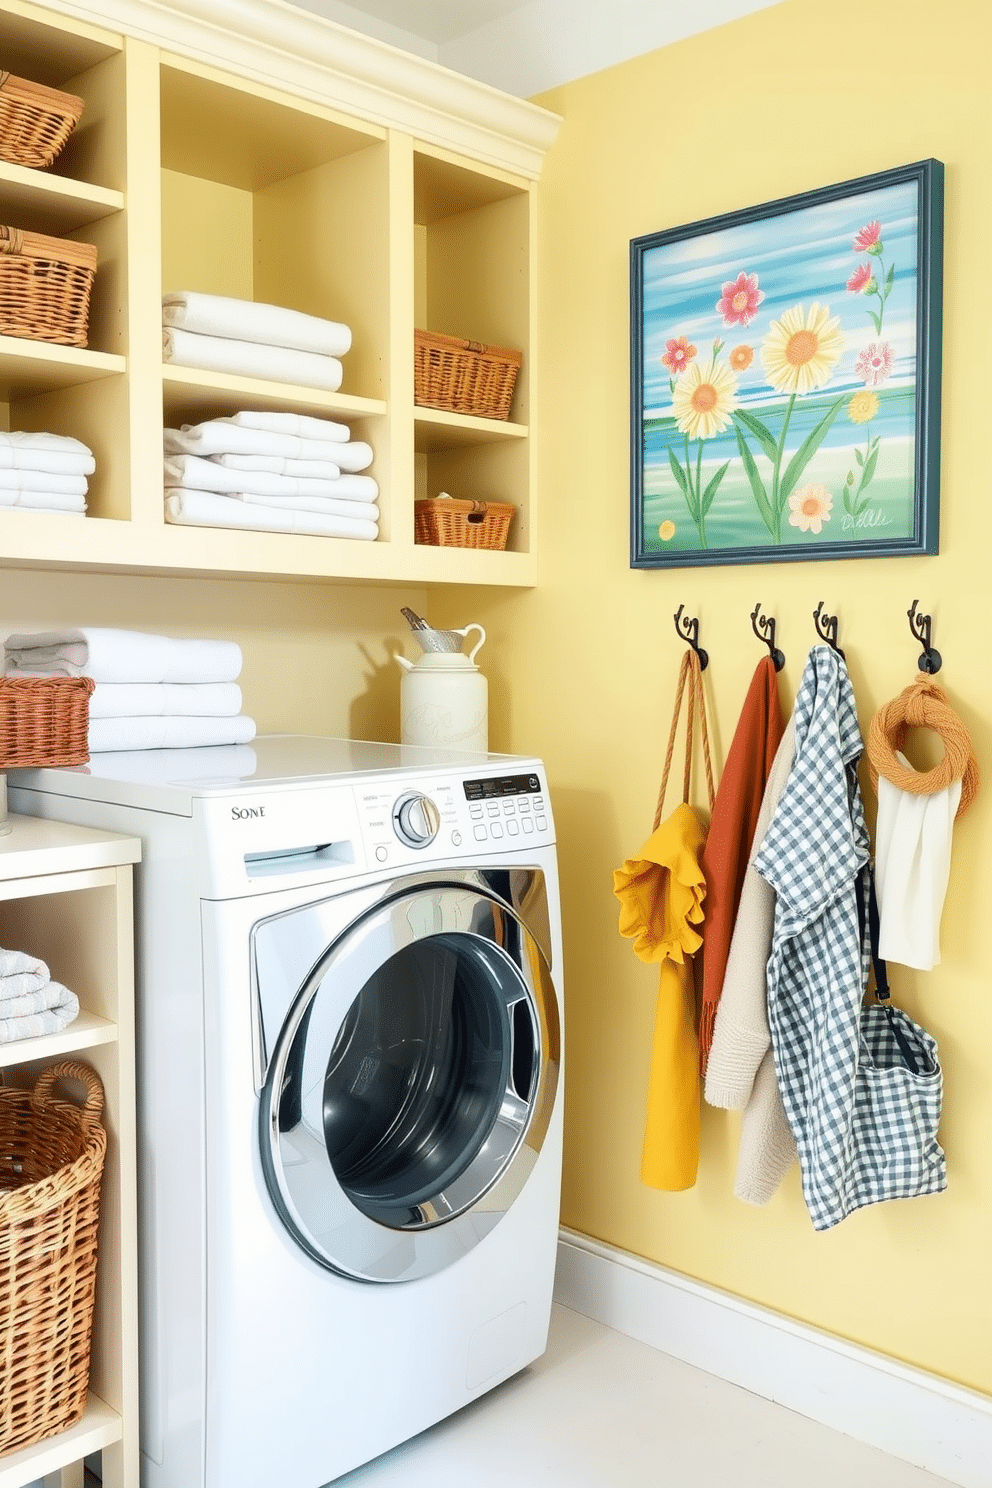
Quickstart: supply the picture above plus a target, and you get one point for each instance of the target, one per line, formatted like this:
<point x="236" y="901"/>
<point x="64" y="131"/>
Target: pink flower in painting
<point x="868" y="239"/>
<point x="859" y="278"/>
<point x="875" y="363"/>
<point x="679" y="352"/>
<point x="740" y="300"/>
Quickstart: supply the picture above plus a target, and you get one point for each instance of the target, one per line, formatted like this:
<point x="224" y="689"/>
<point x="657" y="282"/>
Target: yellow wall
<point x="581" y="670"/>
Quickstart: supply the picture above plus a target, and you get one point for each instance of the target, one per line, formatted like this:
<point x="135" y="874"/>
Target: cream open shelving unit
<point x="287" y="161"/>
<point x="66" y="896"/>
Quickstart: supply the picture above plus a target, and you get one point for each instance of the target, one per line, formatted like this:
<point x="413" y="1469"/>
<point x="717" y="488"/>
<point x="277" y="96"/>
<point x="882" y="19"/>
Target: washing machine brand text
<point x="243" y="813"/>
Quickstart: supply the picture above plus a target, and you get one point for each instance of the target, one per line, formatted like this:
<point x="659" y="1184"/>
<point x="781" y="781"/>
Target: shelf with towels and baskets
<point x="66" y="899"/>
<point x="346" y="195"/>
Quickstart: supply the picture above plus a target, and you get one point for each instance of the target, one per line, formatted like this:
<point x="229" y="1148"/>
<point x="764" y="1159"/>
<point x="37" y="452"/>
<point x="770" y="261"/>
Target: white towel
<point x="165" y="699"/>
<point x="121" y="656"/>
<point x="22" y="450"/>
<point x="302" y="425"/>
<point x="249" y="359"/>
<point x="43" y="480"/>
<point x="216" y="763"/>
<point x="225" y="437"/>
<point x="193" y="474"/>
<point x="343" y="488"/>
<point x="247" y="320"/>
<point x="45" y="501"/>
<point x="202" y="509"/>
<point x="50" y="1012"/>
<point x="280" y="465"/>
<point x="106" y="734"/>
<point x="21" y="975"/>
<point x="355" y="511"/>
<point x="912" y="867"/>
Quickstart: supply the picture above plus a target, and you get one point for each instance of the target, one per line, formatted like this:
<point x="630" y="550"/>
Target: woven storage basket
<point x="35" y="121"/>
<point x="44" y="721"/>
<point x="447" y="523"/>
<point x="464" y="376"/>
<point x="51" y="1163"/>
<point x="45" y="286"/>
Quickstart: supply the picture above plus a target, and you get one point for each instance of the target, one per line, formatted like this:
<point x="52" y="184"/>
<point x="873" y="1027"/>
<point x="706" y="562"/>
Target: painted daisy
<point x="703" y="404"/>
<point x="862" y="407"/>
<point x="809" y="508"/>
<point x="874" y="364"/>
<point x="802" y="349"/>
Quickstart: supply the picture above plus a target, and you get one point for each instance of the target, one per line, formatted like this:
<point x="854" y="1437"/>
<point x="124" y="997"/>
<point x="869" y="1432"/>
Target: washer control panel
<point x="416" y="819"/>
<point x="454" y="814"/>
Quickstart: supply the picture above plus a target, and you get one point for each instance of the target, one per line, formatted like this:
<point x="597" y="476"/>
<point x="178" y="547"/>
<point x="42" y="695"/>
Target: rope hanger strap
<point x="689" y="669"/>
<point x="923" y="705"/>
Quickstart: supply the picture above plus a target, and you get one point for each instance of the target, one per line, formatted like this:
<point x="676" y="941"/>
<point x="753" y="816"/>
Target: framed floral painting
<point x="785" y="378"/>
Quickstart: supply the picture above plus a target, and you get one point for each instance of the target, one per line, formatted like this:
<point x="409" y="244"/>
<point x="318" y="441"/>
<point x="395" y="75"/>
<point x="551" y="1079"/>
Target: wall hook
<point x="688" y="630"/>
<point x="931" y="660"/>
<point x="826" y="629"/>
<point x="764" y="629"/>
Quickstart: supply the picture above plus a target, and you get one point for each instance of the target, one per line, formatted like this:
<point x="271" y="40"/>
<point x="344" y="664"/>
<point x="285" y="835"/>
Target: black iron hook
<point x="931" y="660"/>
<point x="764" y="629"/>
<point x="688" y="630"/>
<point x="826" y="629"/>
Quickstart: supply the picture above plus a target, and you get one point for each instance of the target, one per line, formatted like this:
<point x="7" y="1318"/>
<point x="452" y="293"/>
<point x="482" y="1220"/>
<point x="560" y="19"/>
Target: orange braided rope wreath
<point x="923" y="705"/>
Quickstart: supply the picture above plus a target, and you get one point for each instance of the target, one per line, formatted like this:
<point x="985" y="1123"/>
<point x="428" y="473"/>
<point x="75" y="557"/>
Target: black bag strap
<point x="866" y="892"/>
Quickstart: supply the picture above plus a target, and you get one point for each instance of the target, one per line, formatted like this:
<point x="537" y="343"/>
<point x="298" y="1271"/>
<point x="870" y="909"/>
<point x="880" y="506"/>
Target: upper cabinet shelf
<point x="357" y="185"/>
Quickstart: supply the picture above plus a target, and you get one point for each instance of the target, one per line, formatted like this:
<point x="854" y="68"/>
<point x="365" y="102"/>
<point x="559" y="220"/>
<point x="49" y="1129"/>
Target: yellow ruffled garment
<point x="661" y="896"/>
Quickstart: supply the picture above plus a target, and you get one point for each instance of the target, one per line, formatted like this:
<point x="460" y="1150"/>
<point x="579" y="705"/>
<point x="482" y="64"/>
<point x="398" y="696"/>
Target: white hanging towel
<point x="165" y="699"/>
<point x="251" y="359"/>
<point x="23" y="450"/>
<point x="225" y="437"/>
<point x="167" y="733"/>
<point x="912" y="866"/>
<point x="248" y="320"/>
<point x="192" y="473"/>
<point x="304" y="425"/>
<point x="203" y="509"/>
<point x="109" y="655"/>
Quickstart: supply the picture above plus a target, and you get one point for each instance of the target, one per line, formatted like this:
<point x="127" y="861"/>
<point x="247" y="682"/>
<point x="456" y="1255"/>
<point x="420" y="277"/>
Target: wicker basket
<point x="45" y="286"/>
<point x="51" y="1163"/>
<point x="447" y="523"/>
<point x="35" y="121"/>
<point x="44" y="721"/>
<point x="464" y="376"/>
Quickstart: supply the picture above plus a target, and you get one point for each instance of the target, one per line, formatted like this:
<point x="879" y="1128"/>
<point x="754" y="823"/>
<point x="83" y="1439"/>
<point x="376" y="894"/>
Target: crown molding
<point x="281" y="46"/>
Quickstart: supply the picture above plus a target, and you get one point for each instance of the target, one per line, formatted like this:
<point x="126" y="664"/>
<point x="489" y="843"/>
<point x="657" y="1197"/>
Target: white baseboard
<point x="919" y="1417"/>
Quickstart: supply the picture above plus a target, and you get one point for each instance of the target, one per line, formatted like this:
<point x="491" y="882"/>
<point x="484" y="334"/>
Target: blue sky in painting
<point x="800" y="257"/>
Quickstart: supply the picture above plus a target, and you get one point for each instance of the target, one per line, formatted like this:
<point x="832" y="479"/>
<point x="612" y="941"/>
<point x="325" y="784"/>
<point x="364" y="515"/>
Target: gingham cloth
<point x="865" y="1125"/>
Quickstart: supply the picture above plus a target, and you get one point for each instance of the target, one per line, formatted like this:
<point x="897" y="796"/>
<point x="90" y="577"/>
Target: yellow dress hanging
<point x="661" y="894"/>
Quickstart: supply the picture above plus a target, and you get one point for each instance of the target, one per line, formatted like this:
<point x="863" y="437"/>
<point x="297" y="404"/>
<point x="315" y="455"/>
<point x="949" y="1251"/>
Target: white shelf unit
<point x="66" y="896"/>
<point x="188" y="174"/>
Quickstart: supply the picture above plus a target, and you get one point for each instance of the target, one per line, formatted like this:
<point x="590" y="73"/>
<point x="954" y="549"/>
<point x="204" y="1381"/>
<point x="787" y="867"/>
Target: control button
<point x="493" y="808"/>
<point x="538" y="803"/>
<point x="481" y="834"/>
<point x="509" y="808"/>
<point x="524" y="805"/>
<point x="456" y="838"/>
<point x="527" y="824"/>
<point x="475" y="812"/>
<point x="542" y="823"/>
<point x="416" y="819"/>
<point x="496" y="829"/>
<point x="513" y="828"/>
<point x="533" y="782"/>
<point x="382" y="853"/>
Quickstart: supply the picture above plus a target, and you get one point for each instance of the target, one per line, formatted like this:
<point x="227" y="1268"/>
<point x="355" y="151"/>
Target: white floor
<point x="603" y="1411"/>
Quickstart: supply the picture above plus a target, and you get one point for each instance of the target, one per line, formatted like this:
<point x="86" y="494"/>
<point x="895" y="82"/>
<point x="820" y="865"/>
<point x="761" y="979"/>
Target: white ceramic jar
<point x="444" y="699"/>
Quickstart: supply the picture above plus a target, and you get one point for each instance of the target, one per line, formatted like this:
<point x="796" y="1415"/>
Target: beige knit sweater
<point x="740" y="1074"/>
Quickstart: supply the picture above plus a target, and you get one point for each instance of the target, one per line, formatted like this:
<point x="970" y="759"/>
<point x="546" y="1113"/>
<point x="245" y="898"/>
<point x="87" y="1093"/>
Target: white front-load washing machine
<point x="350" y="1091"/>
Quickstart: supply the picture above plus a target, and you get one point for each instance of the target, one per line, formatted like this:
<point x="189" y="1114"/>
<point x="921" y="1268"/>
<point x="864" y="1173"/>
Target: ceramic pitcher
<point x="444" y="698"/>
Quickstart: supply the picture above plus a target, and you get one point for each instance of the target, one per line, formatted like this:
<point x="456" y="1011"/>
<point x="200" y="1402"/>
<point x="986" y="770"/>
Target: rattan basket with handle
<point x="45" y="286"/>
<point x="51" y="1163"/>
<point x="35" y="121"/>
<point x="44" y="721"/>
<point x="464" y="376"/>
<point x="443" y="522"/>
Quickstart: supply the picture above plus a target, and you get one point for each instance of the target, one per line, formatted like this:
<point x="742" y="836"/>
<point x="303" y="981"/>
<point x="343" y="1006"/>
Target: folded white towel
<point x="247" y="320"/>
<point x="342" y="488"/>
<point x="214" y="762"/>
<point x="21" y="975"/>
<point x="303" y="425"/>
<point x="22" y="450"/>
<point x="45" y="501"/>
<point x="202" y="509"/>
<point x="43" y="480"/>
<point x="225" y="437"/>
<point x="364" y="511"/>
<point x="249" y="359"/>
<point x="193" y="474"/>
<point x="165" y="699"/>
<point x="167" y="733"/>
<point x="60" y="1008"/>
<point x="280" y="465"/>
<point x="121" y="656"/>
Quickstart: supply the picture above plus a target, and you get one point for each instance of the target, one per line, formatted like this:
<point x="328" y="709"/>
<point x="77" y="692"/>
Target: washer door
<point x="412" y="1084"/>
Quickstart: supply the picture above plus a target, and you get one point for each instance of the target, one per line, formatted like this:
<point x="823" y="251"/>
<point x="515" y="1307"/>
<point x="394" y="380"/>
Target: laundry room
<point x="570" y="1273"/>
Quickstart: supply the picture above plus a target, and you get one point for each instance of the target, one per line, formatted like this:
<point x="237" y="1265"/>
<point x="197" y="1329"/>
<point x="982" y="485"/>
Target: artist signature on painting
<point x="865" y="519"/>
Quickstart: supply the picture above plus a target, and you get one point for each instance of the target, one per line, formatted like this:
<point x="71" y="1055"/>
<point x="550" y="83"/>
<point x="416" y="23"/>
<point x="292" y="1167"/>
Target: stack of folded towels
<point x="44" y="473"/>
<point x="219" y="334"/>
<point x="271" y="472"/>
<point x="152" y="692"/>
<point x="31" y="1004"/>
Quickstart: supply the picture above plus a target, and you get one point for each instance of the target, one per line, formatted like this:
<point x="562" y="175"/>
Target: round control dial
<point x="416" y="819"/>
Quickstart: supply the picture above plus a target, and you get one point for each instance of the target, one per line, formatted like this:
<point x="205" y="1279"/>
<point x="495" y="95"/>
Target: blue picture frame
<point x="785" y="378"/>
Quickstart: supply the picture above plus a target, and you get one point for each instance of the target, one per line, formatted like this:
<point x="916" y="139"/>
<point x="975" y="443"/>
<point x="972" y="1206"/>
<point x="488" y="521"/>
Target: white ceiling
<point x="437" y="20"/>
